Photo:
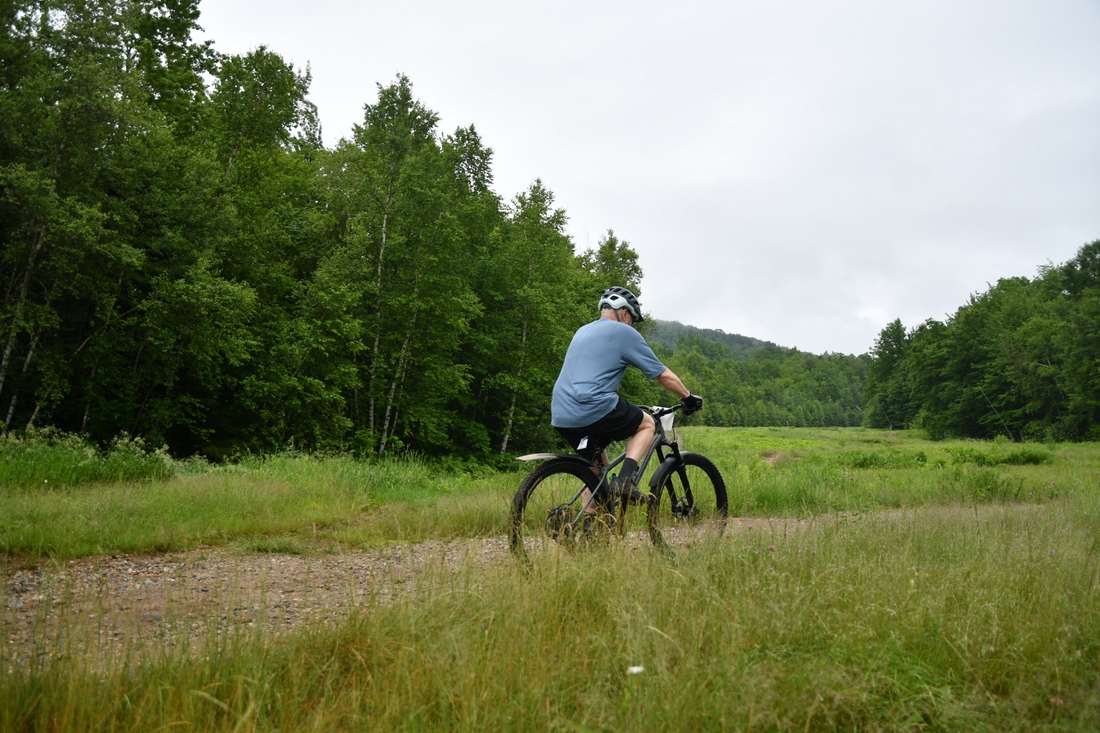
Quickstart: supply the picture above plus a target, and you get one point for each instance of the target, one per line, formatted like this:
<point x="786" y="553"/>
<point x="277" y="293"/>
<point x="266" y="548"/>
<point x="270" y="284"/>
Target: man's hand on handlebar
<point x="692" y="403"/>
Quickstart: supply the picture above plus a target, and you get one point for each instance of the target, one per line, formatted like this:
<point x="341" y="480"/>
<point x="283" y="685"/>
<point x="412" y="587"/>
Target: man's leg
<point x="620" y="421"/>
<point x="635" y="449"/>
<point x="636" y="446"/>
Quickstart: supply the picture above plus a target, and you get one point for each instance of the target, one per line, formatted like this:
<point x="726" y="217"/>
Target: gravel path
<point x="130" y="601"/>
<point x="144" y="599"/>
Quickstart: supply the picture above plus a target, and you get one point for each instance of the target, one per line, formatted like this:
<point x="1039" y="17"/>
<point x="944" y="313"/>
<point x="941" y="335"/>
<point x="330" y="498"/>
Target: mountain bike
<point x="567" y="501"/>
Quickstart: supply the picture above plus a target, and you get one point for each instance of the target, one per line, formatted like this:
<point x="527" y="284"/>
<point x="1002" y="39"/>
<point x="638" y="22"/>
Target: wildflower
<point x="635" y="670"/>
<point x="771" y="548"/>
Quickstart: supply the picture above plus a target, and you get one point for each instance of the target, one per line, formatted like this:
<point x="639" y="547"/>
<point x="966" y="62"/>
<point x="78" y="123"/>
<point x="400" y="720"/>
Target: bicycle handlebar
<point x="658" y="411"/>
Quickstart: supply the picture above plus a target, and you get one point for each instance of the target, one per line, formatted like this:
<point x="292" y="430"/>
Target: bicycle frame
<point x="657" y="445"/>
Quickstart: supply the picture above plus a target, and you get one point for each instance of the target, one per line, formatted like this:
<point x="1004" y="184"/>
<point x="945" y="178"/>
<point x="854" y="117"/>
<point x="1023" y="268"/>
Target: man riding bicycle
<point x="586" y="408"/>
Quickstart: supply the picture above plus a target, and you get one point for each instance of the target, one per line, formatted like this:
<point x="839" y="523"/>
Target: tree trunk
<point x="26" y="365"/>
<point x="398" y="377"/>
<point x="34" y="415"/>
<point x="515" y="389"/>
<point x="402" y="359"/>
<point x="17" y="318"/>
<point x="373" y="371"/>
<point x="88" y="404"/>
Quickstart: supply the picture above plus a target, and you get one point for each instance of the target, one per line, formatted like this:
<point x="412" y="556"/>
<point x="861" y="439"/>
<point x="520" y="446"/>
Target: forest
<point x="753" y="383"/>
<point x="1021" y="360"/>
<point x="184" y="261"/>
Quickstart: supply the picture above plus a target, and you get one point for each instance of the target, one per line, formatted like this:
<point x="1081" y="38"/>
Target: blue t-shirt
<point x="588" y="385"/>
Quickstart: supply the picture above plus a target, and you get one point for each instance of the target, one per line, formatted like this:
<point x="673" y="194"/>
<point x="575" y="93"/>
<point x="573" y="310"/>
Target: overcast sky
<point x="799" y="172"/>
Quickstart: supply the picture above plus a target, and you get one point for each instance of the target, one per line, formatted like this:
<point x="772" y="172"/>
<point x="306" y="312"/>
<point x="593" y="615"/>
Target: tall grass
<point x="971" y="605"/>
<point x="798" y="472"/>
<point x="280" y="502"/>
<point x="129" y="499"/>
<point x="945" y="618"/>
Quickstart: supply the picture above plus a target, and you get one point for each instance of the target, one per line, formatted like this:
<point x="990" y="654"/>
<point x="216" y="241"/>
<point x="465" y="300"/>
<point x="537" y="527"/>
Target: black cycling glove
<point x="692" y="403"/>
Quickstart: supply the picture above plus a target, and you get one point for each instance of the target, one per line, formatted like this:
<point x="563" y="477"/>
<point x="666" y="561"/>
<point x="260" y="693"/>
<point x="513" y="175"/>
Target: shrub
<point x="52" y="458"/>
<point x="1024" y="455"/>
<point x="879" y="459"/>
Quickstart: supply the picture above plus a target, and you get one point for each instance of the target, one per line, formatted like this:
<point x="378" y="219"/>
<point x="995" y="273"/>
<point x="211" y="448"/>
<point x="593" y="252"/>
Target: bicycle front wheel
<point x="548" y="504"/>
<point x="691" y="500"/>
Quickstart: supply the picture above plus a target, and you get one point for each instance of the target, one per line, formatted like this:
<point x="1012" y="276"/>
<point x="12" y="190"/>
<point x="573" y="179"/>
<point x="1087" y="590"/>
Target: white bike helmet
<point x="616" y="298"/>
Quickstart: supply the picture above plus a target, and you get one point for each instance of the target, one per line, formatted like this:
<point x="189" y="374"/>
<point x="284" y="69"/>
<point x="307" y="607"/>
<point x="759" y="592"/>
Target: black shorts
<point x="619" y="424"/>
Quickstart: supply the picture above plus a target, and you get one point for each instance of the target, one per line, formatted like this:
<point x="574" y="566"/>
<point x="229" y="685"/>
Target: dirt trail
<point x="142" y="599"/>
<point x="774" y="457"/>
<point x="146" y="599"/>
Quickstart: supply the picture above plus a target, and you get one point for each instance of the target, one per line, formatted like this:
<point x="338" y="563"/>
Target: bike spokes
<point x="696" y="505"/>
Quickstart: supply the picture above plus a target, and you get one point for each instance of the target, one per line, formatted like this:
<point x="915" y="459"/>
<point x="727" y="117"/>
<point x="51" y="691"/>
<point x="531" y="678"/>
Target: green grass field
<point x="924" y="586"/>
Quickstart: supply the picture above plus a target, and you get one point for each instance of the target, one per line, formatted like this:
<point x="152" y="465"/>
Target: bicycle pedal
<point x="595" y="529"/>
<point x="597" y="522"/>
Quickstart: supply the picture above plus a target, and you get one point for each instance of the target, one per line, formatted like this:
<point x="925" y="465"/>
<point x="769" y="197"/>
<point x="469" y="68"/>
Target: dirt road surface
<point x="138" y="600"/>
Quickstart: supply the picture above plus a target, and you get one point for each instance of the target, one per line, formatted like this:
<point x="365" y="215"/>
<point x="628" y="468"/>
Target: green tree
<point x="1017" y="360"/>
<point x="533" y="307"/>
<point x="887" y="389"/>
<point x="1079" y="343"/>
<point x="613" y="262"/>
<point x="401" y="200"/>
<point x="84" y="158"/>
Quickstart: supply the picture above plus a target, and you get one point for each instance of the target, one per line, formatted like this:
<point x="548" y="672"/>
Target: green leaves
<point x="260" y="101"/>
<point x="769" y="385"/>
<point x="612" y="263"/>
<point x="203" y="318"/>
<point x="1019" y="360"/>
<point x="888" y="386"/>
<point x="534" y="298"/>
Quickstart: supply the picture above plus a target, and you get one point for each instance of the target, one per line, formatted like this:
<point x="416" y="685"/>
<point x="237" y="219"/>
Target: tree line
<point x="1020" y="360"/>
<point x="669" y="333"/>
<point x="748" y="382"/>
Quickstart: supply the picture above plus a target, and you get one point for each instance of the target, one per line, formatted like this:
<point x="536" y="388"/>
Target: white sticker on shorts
<point x="583" y="444"/>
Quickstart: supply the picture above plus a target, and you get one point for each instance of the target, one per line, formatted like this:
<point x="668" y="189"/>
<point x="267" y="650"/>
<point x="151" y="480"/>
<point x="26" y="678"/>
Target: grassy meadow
<point x="874" y="581"/>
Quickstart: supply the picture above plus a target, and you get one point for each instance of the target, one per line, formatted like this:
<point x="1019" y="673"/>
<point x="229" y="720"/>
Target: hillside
<point x="669" y="333"/>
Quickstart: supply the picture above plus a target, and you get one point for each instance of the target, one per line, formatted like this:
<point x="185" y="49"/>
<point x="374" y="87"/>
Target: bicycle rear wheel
<point x="691" y="500"/>
<point x="547" y="505"/>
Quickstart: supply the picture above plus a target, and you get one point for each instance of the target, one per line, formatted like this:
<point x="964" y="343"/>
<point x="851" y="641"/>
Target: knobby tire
<point x="691" y="491"/>
<point x="551" y="484"/>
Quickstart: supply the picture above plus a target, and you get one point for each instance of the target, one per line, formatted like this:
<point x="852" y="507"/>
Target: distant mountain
<point x="669" y="333"/>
